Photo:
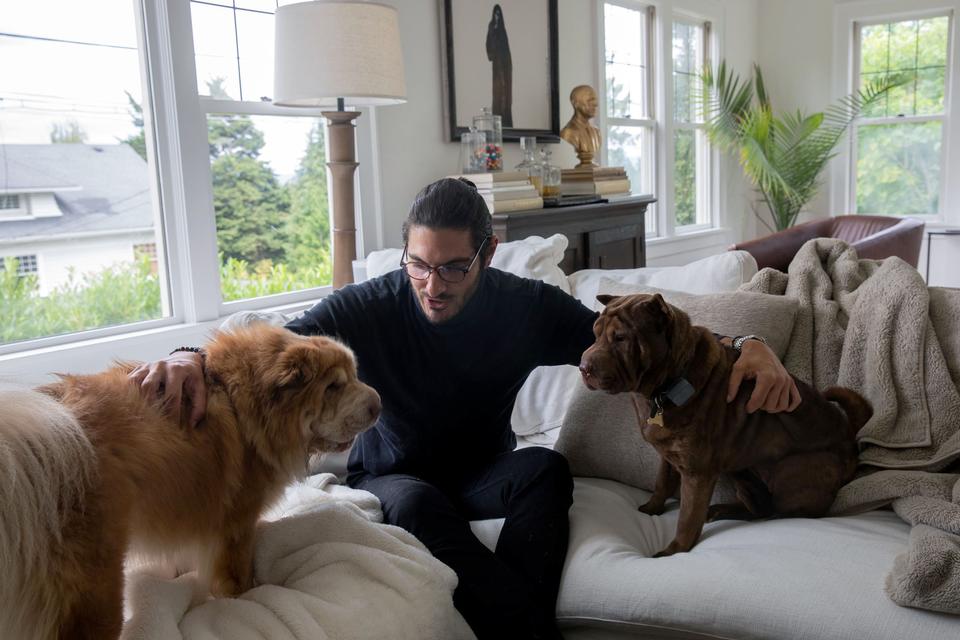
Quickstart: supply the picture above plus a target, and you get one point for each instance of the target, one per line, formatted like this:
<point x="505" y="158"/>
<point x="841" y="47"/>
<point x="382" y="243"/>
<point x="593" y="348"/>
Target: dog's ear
<point x="655" y="307"/>
<point x="297" y="365"/>
<point x="664" y="308"/>
<point x="605" y="299"/>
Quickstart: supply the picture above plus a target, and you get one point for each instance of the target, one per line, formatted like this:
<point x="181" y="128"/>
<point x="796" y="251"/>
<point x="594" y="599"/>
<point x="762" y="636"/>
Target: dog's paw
<point x="651" y="509"/>
<point x="717" y="512"/>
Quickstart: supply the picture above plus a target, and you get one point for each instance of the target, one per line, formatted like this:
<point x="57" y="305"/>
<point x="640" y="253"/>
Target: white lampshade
<point x="329" y="49"/>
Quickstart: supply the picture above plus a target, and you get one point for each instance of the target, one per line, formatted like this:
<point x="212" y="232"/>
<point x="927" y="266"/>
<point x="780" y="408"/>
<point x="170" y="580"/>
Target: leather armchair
<point x="874" y="237"/>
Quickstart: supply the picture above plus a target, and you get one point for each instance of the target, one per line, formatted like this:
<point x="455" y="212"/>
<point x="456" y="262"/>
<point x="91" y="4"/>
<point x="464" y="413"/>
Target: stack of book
<point x="506" y="191"/>
<point x="602" y="181"/>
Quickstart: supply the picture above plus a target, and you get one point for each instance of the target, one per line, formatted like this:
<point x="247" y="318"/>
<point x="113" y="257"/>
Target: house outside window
<point x="898" y="161"/>
<point x="147" y="252"/>
<point x="268" y="167"/>
<point x="77" y="171"/>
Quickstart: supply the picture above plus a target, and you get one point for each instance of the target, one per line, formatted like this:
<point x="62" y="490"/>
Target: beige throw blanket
<point x="875" y="327"/>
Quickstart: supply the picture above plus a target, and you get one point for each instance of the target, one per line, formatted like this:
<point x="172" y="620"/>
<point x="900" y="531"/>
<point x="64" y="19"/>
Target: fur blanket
<point x="324" y="568"/>
<point x="875" y="327"/>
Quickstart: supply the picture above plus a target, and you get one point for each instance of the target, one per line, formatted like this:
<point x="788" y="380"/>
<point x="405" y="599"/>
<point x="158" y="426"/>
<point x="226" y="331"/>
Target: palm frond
<point x="783" y="155"/>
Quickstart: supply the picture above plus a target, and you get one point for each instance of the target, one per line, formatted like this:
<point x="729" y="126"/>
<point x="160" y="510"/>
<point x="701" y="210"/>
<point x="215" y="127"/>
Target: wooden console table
<point x="603" y="235"/>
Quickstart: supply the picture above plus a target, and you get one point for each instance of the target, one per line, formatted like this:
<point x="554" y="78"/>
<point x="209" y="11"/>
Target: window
<point x="898" y="146"/>
<point x="26" y="264"/>
<point x="268" y="168"/>
<point x="629" y="124"/>
<point x="637" y="82"/>
<point x="9" y="202"/>
<point x="158" y="197"/>
<point x="73" y="146"/>
<point x="148" y="253"/>
<point x="691" y="156"/>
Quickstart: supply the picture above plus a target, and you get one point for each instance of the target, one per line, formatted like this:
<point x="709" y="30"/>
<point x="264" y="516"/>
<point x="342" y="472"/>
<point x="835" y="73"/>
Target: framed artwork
<point x="501" y="54"/>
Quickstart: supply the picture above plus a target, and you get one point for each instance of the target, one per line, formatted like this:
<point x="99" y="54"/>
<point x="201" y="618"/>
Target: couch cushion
<point x="722" y="272"/>
<point x="731" y="313"/>
<point x="785" y="579"/>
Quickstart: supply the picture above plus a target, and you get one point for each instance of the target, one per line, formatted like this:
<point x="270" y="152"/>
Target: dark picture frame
<point x="469" y="44"/>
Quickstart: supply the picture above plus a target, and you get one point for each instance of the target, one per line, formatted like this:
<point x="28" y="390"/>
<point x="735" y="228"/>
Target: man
<point x="584" y="137"/>
<point x="448" y="342"/>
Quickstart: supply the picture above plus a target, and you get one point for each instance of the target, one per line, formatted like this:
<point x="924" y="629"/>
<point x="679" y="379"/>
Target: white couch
<point x="777" y="579"/>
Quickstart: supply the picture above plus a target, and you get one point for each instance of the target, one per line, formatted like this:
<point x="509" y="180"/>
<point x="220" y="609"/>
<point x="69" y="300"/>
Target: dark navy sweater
<point x="447" y="389"/>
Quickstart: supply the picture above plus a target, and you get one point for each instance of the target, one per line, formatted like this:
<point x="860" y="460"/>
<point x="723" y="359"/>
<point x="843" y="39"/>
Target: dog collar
<point x="678" y="391"/>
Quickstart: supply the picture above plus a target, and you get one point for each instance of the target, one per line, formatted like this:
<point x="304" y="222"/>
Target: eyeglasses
<point x="447" y="273"/>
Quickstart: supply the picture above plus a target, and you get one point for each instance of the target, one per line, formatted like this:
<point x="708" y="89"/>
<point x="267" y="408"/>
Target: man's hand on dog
<point x="171" y="378"/>
<point x="775" y="390"/>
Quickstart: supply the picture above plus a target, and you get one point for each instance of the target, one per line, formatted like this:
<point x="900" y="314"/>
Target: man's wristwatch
<point x="737" y="343"/>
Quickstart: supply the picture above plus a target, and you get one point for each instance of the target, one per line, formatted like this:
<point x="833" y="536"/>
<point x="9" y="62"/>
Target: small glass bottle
<point x="550" y="174"/>
<point x="530" y="166"/>
<point x="472" y="154"/>
<point x="490" y="124"/>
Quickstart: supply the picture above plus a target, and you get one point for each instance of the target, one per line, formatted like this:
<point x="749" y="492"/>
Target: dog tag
<point x="656" y="421"/>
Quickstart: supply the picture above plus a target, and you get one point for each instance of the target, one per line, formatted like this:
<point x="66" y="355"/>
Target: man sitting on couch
<point x="448" y="342"/>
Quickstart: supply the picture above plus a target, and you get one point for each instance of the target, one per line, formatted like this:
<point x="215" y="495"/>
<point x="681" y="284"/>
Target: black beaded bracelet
<point x="203" y="354"/>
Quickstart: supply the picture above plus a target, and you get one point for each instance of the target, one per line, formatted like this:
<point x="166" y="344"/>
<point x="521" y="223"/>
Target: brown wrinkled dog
<point x="90" y="468"/>
<point x="789" y="464"/>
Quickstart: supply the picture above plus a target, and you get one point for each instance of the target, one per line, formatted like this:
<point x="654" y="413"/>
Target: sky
<point x="66" y="60"/>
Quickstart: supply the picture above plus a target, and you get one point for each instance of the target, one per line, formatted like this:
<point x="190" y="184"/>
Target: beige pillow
<point x="600" y="436"/>
<point x="731" y="313"/>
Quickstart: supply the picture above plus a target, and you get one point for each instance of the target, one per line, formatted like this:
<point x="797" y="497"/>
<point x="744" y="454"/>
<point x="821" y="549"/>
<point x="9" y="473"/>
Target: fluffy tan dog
<point x="89" y="469"/>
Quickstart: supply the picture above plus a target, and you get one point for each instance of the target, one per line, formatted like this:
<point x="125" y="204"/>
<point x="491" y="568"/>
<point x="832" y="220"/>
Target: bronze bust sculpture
<point x="584" y="137"/>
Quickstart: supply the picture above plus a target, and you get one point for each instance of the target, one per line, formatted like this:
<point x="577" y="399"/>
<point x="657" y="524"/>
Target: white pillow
<point x="534" y="257"/>
<point x="722" y="272"/>
<point x="383" y="262"/>
<point x="543" y="399"/>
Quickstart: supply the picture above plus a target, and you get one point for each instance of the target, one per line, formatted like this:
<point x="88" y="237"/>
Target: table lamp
<point x="333" y="53"/>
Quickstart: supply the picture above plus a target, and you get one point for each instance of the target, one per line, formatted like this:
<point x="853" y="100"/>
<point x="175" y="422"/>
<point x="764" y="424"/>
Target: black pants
<point x="511" y="593"/>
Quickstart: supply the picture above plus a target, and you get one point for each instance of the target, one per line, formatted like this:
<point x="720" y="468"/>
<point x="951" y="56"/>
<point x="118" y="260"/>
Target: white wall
<point x="796" y="57"/>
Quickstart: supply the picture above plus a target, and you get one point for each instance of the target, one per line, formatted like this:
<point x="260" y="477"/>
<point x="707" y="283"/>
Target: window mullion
<point x="183" y="151"/>
<point x="630" y="122"/>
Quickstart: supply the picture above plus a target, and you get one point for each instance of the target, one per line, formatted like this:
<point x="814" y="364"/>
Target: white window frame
<point x="175" y="127"/>
<point x="706" y="199"/>
<point x="847" y="19"/>
<point x="660" y="47"/>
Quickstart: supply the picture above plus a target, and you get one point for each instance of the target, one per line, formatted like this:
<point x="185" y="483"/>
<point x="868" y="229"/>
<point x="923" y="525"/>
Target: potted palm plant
<point x="784" y="154"/>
